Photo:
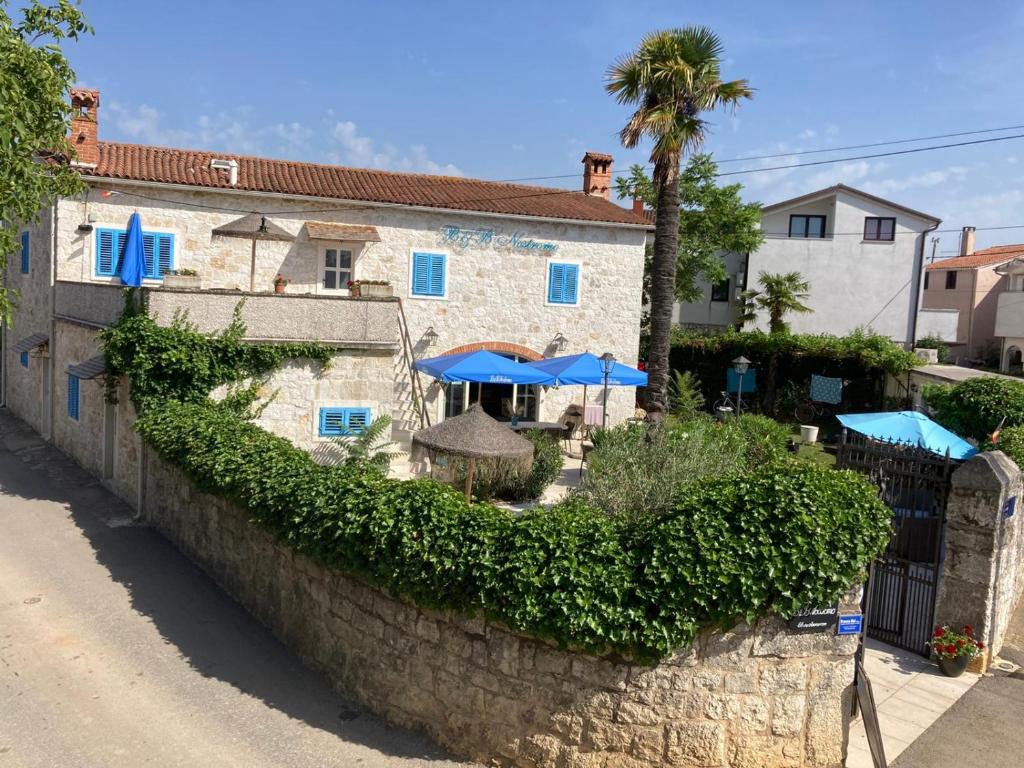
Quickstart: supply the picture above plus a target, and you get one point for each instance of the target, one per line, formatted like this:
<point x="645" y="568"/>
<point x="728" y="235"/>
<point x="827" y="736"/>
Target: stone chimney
<point x="638" y="206"/>
<point x="85" y="122"/>
<point x="967" y="241"/>
<point x="597" y="174"/>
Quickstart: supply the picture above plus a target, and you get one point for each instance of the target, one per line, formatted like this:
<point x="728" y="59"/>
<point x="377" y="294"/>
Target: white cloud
<point x="808" y="133"/>
<point x="927" y="180"/>
<point x="357" y="149"/>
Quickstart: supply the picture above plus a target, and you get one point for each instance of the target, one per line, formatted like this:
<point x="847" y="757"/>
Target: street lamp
<point x="741" y="365"/>
<point x="607" y="363"/>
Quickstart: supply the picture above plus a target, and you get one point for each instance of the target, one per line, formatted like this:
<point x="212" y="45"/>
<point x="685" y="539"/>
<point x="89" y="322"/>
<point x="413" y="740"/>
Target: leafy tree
<point x="712" y="219"/>
<point x="368" y="451"/>
<point x="684" y="394"/>
<point x="780" y="295"/>
<point x="35" y="118"/>
<point x="671" y="79"/>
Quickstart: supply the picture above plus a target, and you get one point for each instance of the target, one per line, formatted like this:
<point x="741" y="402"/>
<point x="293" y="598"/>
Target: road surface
<point x="116" y="651"/>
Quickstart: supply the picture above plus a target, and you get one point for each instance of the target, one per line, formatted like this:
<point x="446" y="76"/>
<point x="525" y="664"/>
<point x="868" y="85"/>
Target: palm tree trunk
<point x="663" y="280"/>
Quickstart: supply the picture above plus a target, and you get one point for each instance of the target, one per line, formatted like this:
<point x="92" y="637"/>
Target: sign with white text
<point x="851" y="624"/>
<point x="814" y="619"/>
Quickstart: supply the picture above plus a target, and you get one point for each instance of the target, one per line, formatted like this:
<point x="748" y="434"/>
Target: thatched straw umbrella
<point x="474" y="435"/>
<point x="254" y="227"/>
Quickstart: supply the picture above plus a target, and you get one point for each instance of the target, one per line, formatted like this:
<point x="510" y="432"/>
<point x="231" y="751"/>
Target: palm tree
<point x="780" y="294"/>
<point x="671" y="78"/>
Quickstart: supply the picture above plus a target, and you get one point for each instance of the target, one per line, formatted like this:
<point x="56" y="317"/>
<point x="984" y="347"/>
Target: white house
<point x="524" y="271"/>
<point x="1010" y="317"/>
<point x="861" y="254"/>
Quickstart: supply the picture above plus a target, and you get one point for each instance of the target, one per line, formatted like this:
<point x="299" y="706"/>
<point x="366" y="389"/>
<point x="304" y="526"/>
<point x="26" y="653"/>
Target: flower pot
<point x="368" y="289"/>
<point x="808" y="434"/>
<point x="182" y="281"/>
<point x="279" y="287"/>
<point x="954" y="667"/>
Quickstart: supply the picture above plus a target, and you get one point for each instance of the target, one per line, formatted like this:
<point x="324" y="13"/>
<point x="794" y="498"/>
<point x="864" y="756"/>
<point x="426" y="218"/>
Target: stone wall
<point x="754" y="697"/>
<point x="983" y="569"/>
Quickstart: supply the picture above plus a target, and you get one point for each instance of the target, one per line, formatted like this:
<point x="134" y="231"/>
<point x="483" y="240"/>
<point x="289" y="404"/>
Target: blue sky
<point x="503" y="90"/>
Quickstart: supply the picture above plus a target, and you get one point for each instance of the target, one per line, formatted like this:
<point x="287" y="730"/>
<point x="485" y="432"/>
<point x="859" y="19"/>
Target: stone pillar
<point x="982" y="570"/>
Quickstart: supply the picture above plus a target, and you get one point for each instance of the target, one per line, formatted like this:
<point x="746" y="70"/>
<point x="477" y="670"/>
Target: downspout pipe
<point x="918" y="279"/>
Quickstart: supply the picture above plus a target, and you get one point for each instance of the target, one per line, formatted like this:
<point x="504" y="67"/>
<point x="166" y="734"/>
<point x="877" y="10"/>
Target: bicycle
<point x="809" y="411"/>
<point x="725" y="402"/>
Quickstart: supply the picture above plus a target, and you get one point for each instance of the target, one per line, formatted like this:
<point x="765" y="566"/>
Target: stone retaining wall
<point x="754" y="697"/>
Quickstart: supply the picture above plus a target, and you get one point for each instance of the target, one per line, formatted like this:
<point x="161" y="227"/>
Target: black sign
<point x="815" y="619"/>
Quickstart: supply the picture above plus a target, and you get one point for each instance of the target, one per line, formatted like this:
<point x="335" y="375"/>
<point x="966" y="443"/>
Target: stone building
<point x="524" y="271"/>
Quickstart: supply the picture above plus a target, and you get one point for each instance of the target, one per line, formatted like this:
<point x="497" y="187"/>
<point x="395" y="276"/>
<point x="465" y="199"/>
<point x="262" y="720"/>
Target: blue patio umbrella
<point x="482" y="367"/>
<point x="133" y="257"/>
<point x="586" y="369"/>
<point x="911" y="428"/>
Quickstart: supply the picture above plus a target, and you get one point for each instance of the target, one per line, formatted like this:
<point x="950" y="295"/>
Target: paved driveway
<point x="116" y="651"/>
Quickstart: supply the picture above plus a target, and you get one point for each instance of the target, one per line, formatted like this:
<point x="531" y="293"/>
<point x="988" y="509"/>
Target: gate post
<point x="982" y="569"/>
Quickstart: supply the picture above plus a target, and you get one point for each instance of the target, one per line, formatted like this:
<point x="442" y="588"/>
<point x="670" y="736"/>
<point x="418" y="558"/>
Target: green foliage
<point x="780" y="294"/>
<point x="773" y="539"/>
<point x="934" y="342"/>
<point x="515" y="480"/>
<point x="684" y="395"/>
<point x="1011" y="442"/>
<point x="764" y="439"/>
<point x="35" y="118"/>
<point x="974" y="408"/>
<point x="368" y="452"/>
<point x="712" y="219"/>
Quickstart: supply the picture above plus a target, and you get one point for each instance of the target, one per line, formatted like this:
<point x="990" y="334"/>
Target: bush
<point x="512" y="480"/>
<point x="934" y="342"/>
<point x="764" y="439"/>
<point x="974" y="408"/>
<point x="1011" y="442"/>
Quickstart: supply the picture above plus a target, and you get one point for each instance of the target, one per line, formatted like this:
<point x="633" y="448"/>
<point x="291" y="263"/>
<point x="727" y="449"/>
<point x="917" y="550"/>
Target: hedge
<point x="975" y="408"/>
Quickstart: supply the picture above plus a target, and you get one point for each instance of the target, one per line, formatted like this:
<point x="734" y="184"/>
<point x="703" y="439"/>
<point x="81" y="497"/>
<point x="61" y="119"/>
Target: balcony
<point x="338" y="320"/>
<point x="1010" y="314"/>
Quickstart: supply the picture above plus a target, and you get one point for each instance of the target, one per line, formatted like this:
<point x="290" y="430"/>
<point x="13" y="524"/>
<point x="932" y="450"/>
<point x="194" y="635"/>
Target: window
<point x="951" y="279"/>
<point x="157" y="246"/>
<point x="926" y="281"/>
<point x="806" y="226"/>
<point x="563" y="283"/>
<point x="429" y="274"/>
<point x="879" y="228"/>
<point x="73" y="393"/>
<point x="337" y="269"/>
<point x="24" y="253"/>
<point x="720" y="291"/>
<point x="24" y="359"/>
<point x="338" y="422"/>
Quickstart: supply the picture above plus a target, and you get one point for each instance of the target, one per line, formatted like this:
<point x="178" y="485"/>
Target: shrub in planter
<point x="955" y="650"/>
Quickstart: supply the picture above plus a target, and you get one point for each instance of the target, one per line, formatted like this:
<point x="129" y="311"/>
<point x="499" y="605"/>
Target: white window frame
<point x="115" y="279"/>
<point x="338" y="245"/>
<point x="547" y="283"/>
<point x="447" y="273"/>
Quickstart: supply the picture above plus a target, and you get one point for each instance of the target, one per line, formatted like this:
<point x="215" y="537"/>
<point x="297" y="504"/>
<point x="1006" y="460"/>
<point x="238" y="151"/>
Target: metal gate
<point x="901" y="590"/>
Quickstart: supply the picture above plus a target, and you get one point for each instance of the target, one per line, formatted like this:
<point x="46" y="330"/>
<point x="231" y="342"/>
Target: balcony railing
<point x="341" y="320"/>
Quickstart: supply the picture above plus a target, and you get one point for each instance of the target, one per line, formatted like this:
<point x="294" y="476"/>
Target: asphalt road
<point x="984" y="727"/>
<point x="116" y="651"/>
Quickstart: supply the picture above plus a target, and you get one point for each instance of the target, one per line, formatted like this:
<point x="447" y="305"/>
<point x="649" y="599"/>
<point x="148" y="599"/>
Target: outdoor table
<point x="552" y="427"/>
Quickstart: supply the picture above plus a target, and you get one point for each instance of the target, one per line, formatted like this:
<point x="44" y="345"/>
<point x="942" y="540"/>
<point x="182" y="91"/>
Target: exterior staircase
<point x="409" y="412"/>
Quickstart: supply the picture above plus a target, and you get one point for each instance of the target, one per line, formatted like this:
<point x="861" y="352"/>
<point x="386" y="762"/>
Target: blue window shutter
<point x="556" y="278"/>
<point x="437" y="264"/>
<point x="570" y="283"/>
<point x="164" y="254"/>
<point x="73" y="397"/>
<point x="24" y="359"/>
<point x="332" y="422"/>
<point x="24" y="252"/>
<point x="106" y="252"/>
<point x="563" y="283"/>
<point x="357" y="420"/>
<point x="149" y="249"/>
<point x="421" y="274"/>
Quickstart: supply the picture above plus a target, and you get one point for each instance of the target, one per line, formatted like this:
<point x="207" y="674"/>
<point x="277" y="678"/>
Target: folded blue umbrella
<point x="133" y="257"/>
<point x="484" y="367"/>
<point x="911" y="428"/>
<point x="587" y="369"/>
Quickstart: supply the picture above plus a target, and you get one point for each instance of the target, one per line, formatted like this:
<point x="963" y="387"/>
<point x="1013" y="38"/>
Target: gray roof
<point x="853" y="191"/>
<point x="254" y="226"/>
<point x="31" y="342"/>
<point x="475" y="435"/>
<point x="89" y="369"/>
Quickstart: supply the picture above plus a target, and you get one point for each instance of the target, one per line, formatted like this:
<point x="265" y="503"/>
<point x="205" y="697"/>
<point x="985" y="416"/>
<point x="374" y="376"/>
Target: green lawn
<point x="815" y="453"/>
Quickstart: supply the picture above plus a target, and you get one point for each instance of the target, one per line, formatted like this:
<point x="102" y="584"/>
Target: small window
<point x="950" y="279"/>
<point x="926" y="281"/>
<point x="806" y="226"/>
<point x="24" y="359"/>
<point x="73" y="397"/>
<point x="25" y="254"/>
<point x="429" y="276"/>
<point x="879" y="228"/>
<point x="563" y="283"/>
<point x="337" y="269"/>
<point x="158" y="248"/>
<point x="720" y="291"/>
<point x="339" y="422"/>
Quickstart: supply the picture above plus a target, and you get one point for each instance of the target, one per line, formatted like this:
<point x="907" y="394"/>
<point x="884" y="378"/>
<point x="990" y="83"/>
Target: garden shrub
<point x="1011" y="442"/>
<point x="513" y="479"/>
<point x="974" y="408"/>
<point x="770" y="539"/>
<point x="934" y="342"/>
<point x="764" y="439"/>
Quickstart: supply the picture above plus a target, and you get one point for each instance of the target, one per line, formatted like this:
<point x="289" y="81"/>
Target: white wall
<point x="705" y="313"/>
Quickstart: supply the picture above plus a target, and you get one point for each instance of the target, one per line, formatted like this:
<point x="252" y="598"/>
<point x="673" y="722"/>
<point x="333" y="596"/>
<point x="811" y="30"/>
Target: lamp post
<point x="607" y="363"/>
<point x="741" y="365"/>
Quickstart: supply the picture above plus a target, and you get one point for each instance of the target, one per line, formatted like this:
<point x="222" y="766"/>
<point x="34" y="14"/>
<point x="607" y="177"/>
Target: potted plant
<point x="370" y="288"/>
<point x="955" y="650"/>
<point x="182" y="278"/>
<point x="279" y="283"/>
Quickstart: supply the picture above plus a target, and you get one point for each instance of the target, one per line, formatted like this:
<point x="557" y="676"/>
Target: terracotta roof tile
<point x="986" y="257"/>
<point x="255" y="174"/>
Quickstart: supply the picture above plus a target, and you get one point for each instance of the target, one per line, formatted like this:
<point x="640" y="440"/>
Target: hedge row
<point x="773" y="541"/>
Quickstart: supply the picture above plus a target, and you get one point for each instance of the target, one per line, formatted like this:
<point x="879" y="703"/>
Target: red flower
<point x="968" y="629"/>
<point x="939" y="632"/>
<point x="951" y="649"/>
<point x="981" y="646"/>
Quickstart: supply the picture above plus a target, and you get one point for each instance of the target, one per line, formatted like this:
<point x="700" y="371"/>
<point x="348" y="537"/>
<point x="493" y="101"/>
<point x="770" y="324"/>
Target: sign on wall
<point x="458" y="237"/>
<point x="851" y="624"/>
<point x="814" y="619"/>
<point x="1010" y="507"/>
